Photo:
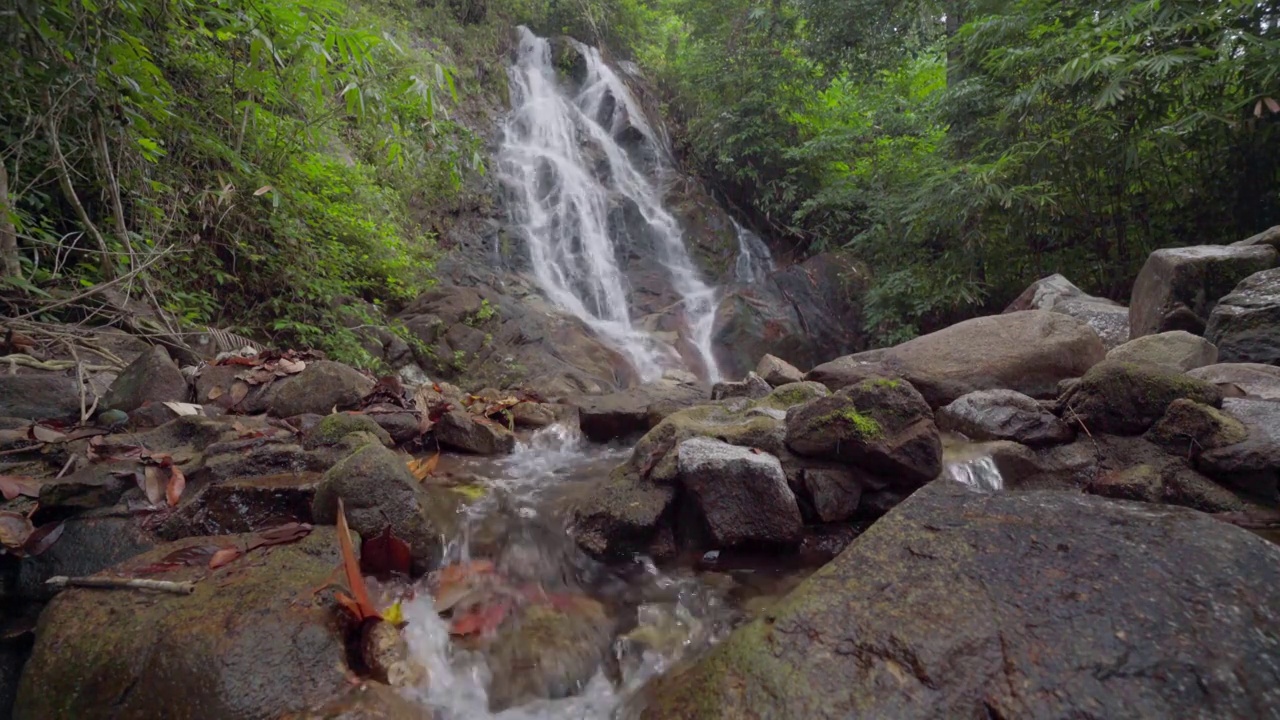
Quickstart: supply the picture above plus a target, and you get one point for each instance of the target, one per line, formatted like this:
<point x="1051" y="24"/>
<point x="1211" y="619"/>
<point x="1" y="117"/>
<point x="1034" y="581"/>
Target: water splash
<point x="571" y="178"/>
<point x="979" y="473"/>
<point x="754" y="262"/>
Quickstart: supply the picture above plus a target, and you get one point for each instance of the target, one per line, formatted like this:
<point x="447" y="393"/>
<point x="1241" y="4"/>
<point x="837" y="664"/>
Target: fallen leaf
<point x="364" y="607"/>
<point x="291" y="367"/>
<point x="239" y="390"/>
<point x="281" y="534"/>
<point x="14" y="529"/>
<point x="385" y="555"/>
<point x="11" y="486"/>
<point x="262" y="190"/>
<point x="237" y="360"/>
<point x="215" y="392"/>
<point x="154" y="484"/>
<point x="350" y="604"/>
<point x="183" y="409"/>
<point x="482" y="620"/>
<point x="187" y="556"/>
<point x="424" y="467"/>
<point x="394" y="614"/>
<point x="42" y="538"/>
<point x="46" y="434"/>
<point x="223" y="557"/>
<point x="177" y="483"/>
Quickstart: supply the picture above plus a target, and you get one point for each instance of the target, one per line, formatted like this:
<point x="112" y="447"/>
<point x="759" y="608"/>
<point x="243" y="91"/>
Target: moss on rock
<point x="332" y="429"/>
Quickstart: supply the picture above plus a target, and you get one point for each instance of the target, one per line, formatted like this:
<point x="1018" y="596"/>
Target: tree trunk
<point x="9" y="266"/>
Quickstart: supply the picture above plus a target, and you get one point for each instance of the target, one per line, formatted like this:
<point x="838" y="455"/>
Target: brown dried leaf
<point x="224" y="556"/>
<point x="239" y="390"/>
<point x="46" y="434"/>
<point x="177" y="484"/>
<point x="422" y="468"/>
<point x="291" y="367"/>
<point x="364" y="607"/>
<point x="11" y="486"/>
<point x="188" y="556"/>
<point x="385" y="555"/>
<point x="215" y="392"/>
<point x="483" y="620"/>
<point x="1272" y="104"/>
<point x="43" y="538"/>
<point x="281" y="534"/>
<point x="14" y="529"/>
<point x="153" y="484"/>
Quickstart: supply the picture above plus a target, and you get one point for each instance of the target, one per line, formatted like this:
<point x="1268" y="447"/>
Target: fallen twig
<point x="169" y="586"/>
<point x="53" y="365"/>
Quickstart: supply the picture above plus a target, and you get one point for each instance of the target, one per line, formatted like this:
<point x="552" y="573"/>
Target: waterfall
<point x="574" y="162"/>
<point x="754" y="262"/>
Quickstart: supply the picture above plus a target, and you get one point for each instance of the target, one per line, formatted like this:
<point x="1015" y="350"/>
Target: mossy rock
<point x="654" y="458"/>
<point x="785" y="397"/>
<point x="333" y="428"/>
<point x="1128" y="398"/>
<point x="619" y="515"/>
<point x="548" y="651"/>
<point x="1189" y="428"/>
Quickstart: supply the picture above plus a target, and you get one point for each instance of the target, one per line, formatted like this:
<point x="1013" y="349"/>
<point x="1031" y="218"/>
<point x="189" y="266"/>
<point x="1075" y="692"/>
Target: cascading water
<point x="754" y="262"/>
<point x="570" y="177"/>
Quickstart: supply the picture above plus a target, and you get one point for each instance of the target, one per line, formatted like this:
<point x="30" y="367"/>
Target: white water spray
<point x="571" y="179"/>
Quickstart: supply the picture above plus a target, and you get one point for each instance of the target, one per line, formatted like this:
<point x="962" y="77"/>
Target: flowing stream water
<point x="583" y="167"/>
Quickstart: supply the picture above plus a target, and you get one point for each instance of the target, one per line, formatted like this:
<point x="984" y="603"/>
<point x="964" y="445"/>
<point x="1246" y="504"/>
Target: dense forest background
<point x="249" y="163"/>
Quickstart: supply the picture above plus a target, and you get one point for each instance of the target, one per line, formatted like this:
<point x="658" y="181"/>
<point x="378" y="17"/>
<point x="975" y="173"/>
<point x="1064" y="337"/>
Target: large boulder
<point x="152" y="377"/>
<point x="742" y="495"/>
<point x="321" y="387"/>
<point x="777" y="371"/>
<point x="253" y="634"/>
<point x="1028" y="351"/>
<point x="1245" y="325"/>
<point x="1269" y="237"/>
<point x="849" y="369"/>
<point x="1127" y="398"/>
<point x="881" y="425"/>
<point x="752" y="386"/>
<point x="1176" y="350"/>
<point x="45" y="396"/>
<point x="1133" y="468"/>
<point x="1108" y="318"/>
<point x="1252" y="465"/>
<point x="967" y="605"/>
<point x="378" y="491"/>
<point x="1003" y="415"/>
<point x="1178" y="288"/>
<point x="633" y="412"/>
<point x="803" y="313"/>
<point x="460" y="430"/>
<point x="1262" y="381"/>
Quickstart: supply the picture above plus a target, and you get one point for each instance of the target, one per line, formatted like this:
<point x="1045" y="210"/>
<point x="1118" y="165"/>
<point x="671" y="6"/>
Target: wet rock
<point x="89" y="544"/>
<point x="850" y="369"/>
<point x="805" y="313"/>
<point x="619" y="515"/>
<point x="153" y="377"/>
<point x="753" y="386"/>
<point x="1269" y="237"/>
<point x="1136" y="469"/>
<point x="13" y="655"/>
<point x="1128" y="398"/>
<point x="254" y="457"/>
<point x="1245" y="324"/>
<point x="834" y="492"/>
<point x="1029" y="351"/>
<point x="742" y="495"/>
<point x="882" y="425"/>
<point x="1260" y="381"/>
<point x="533" y="414"/>
<point x="243" y="504"/>
<point x="189" y="433"/>
<point x="323" y="386"/>
<point x="216" y="386"/>
<point x="252" y="641"/>
<point x="402" y="427"/>
<point x="45" y="396"/>
<point x="654" y="457"/>
<point x="777" y="371"/>
<point x="1003" y="415"/>
<point x="1176" y="350"/>
<point x="1056" y="293"/>
<point x="378" y="491"/>
<point x="994" y="588"/>
<point x="549" y="652"/>
<point x="1061" y="467"/>
<point x="368" y="701"/>
<point x="619" y="415"/>
<point x="1252" y="465"/>
<point x="1178" y="288"/>
<point x="460" y="430"/>
<point x="1189" y="428"/>
<point x="96" y="485"/>
<point x="333" y="428"/>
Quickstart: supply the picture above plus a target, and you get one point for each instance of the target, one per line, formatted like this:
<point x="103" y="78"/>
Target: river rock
<point x="1246" y="323"/>
<point x="1028" y="351"/>
<point x="850" y="369"/>
<point x="254" y="635"/>
<point x="1178" y="288"/>
<point x="378" y="491"/>
<point x="1269" y="237"/>
<point x="216" y="385"/>
<point x="1056" y="293"/>
<point x="833" y="491"/>
<point x="1003" y="415"/>
<point x="1252" y="465"/>
<point x="620" y="515"/>
<point x="1128" y="398"/>
<point x="603" y="418"/>
<point x="883" y="426"/>
<point x="742" y="495"/>
<point x="89" y="543"/>
<point x="1058" y="467"/>
<point x="1188" y="428"/>
<point x="367" y="701"/>
<point x="460" y="430"/>
<point x="534" y="414"/>
<point x="957" y="603"/>
<point x="1176" y="350"/>
<point x="320" y="388"/>
<point x="752" y="386"/>
<point x="548" y="651"/>
<point x="1260" y="381"/>
<point x="242" y="504"/>
<point x="1132" y="468"/>
<point x="46" y="396"/>
<point x="152" y="377"/>
<point x="333" y="428"/>
<point x="777" y="371"/>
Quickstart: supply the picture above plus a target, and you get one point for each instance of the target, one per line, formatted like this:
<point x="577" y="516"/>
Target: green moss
<point x="881" y="383"/>
<point x="792" y="394"/>
<point x="331" y="430"/>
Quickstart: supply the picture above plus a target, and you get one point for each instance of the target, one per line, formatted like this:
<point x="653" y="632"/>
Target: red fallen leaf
<point x="11" y="486"/>
<point x="437" y="388"/>
<point x="385" y="555"/>
<point x="14" y="529"/>
<point x="43" y="538"/>
<point x="177" y="483"/>
<point x="364" y="608"/>
<point x="46" y="434"/>
<point x="482" y="620"/>
<point x="193" y="555"/>
<point x="237" y="360"/>
<point x="452" y="574"/>
<point x="153" y="484"/>
<point x="279" y="535"/>
<point x="224" y="556"/>
<point x="349" y="604"/>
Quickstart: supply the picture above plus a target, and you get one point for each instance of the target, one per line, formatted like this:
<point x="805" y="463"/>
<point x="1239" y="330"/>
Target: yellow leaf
<point x="424" y="467"/>
<point x="394" y="614"/>
<point x="262" y="190"/>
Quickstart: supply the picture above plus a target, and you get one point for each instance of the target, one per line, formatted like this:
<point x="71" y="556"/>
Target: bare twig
<point x="156" y="257"/>
<point x="169" y="586"/>
<point x="51" y="365"/>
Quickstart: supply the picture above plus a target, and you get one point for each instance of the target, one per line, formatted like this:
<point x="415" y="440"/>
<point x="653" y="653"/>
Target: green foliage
<point x="280" y="150"/>
<point x="483" y="314"/>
